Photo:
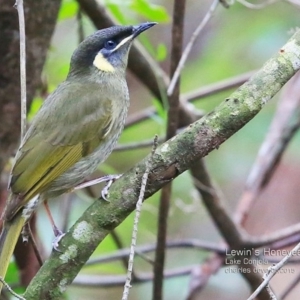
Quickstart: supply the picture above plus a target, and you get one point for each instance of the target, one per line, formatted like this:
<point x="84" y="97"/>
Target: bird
<point x="74" y="131"/>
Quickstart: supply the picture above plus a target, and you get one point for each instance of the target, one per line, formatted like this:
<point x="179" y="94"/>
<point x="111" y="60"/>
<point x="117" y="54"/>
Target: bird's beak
<point x="136" y="31"/>
<point x="141" y="27"/>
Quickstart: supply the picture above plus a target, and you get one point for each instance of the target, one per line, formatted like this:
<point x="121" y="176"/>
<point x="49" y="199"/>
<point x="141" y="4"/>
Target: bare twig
<point x="279" y="239"/>
<point x="217" y="87"/>
<point x="196" y="94"/>
<point x="190" y="45"/>
<point x="139" y="203"/>
<point x="188" y="243"/>
<point x="10" y="290"/>
<point x="20" y="9"/>
<point x="108" y="281"/>
<point x="273" y="270"/>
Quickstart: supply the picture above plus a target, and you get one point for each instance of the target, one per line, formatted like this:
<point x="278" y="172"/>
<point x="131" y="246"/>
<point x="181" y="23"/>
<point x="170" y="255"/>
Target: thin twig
<point x="10" y="290"/>
<point x="114" y="280"/>
<point x="189" y="47"/>
<point x="193" y="95"/>
<point x="217" y="87"/>
<point x="273" y="270"/>
<point x="20" y="9"/>
<point x="188" y="243"/>
<point x="275" y="239"/>
<point x="139" y="204"/>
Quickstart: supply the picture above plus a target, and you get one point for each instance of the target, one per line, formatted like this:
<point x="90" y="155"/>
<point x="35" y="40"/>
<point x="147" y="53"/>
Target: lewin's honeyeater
<point x="75" y="130"/>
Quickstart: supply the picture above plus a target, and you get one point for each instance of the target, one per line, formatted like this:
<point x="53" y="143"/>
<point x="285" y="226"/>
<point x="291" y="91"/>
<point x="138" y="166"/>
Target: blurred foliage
<point x="142" y="8"/>
<point x="68" y="9"/>
<point x="236" y="40"/>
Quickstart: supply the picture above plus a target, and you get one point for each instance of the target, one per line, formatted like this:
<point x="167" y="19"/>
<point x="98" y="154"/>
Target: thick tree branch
<point x="170" y="160"/>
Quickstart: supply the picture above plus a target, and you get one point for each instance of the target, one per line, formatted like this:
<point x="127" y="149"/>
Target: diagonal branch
<point x="170" y="160"/>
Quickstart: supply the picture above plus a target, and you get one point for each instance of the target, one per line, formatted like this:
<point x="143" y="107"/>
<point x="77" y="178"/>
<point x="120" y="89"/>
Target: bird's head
<point x="106" y="50"/>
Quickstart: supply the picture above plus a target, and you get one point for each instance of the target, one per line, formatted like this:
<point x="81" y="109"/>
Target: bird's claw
<point x="110" y="180"/>
<point x="58" y="236"/>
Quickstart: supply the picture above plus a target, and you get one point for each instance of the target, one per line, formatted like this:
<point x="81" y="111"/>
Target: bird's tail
<point x="9" y="236"/>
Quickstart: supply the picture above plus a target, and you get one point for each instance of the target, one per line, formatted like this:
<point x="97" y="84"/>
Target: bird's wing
<point x="71" y="124"/>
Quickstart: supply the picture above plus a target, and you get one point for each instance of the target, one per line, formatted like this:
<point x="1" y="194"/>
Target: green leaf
<point x="151" y="12"/>
<point x="68" y="9"/>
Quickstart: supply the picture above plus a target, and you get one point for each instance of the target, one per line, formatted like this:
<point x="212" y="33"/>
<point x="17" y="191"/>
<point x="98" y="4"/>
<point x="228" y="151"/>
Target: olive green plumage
<point x="75" y="130"/>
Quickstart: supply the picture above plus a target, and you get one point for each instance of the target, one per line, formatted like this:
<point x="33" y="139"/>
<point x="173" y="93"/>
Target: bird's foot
<point x="106" y="178"/>
<point x="110" y="179"/>
<point x="58" y="236"/>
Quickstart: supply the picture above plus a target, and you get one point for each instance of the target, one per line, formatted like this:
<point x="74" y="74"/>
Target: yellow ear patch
<point x="101" y="63"/>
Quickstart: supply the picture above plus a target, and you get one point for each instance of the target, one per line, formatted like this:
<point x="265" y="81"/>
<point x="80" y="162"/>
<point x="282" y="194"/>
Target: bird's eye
<point x="110" y="44"/>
